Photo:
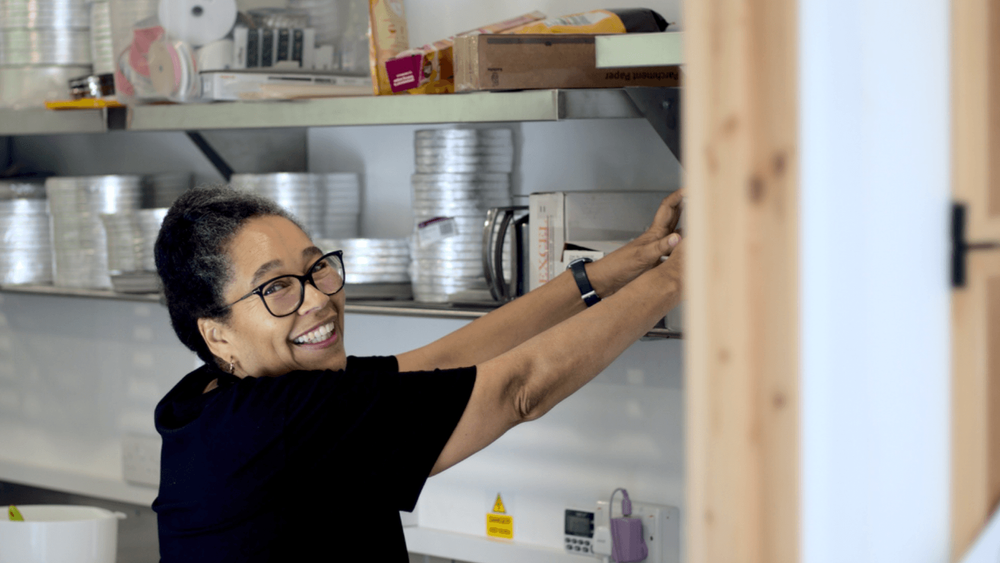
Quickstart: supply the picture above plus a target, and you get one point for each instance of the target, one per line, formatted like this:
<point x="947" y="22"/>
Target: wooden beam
<point x="742" y="158"/>
<point x="975" y="392"/>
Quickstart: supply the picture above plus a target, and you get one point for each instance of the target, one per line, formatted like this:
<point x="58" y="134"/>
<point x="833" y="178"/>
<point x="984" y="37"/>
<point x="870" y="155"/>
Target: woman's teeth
<point x="318" y="335"/>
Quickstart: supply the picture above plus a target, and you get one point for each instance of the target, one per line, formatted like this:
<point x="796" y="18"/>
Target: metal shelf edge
<point x="48" y="122"/>
<point x="538" y="105"/>
<point x="389" y="308"/>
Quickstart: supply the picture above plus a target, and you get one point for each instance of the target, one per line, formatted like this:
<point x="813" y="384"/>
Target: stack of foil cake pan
<point x="43" y="45"/>
<point x="80" y="244"/>
<point x="25" y="241"/>
<point x="460" y="175"/>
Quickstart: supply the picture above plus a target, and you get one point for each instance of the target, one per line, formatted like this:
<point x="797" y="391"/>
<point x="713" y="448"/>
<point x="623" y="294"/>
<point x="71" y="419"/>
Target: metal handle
<point x="493" y="251"/>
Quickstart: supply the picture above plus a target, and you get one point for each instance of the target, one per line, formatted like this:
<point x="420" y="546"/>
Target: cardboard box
<point x="522" y="62"/>
<point x="594" y="220"/>
<point x="250" y="85"/>
<point x="430" y="69"/>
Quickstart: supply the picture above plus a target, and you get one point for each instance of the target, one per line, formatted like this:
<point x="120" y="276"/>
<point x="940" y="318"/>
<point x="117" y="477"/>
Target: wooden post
<point x="742" y="158"/>
<point x="975" y="399"/>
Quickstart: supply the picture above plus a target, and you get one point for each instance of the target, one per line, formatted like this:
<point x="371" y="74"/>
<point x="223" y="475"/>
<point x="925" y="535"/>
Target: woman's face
<point x="265" y="345"/>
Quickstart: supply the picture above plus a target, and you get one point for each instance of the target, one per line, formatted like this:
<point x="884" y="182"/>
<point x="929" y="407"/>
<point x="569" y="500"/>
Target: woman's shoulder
<point x="372" y="364"/>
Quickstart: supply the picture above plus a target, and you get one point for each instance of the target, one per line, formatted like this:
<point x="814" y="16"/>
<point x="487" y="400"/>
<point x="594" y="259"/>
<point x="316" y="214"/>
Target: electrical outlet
<point x="661" y="528"/>
<point x="141" y="459"/>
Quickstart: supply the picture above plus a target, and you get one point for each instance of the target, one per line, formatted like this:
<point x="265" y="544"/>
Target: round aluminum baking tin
<point x="437" y="178"/>
<point x="448" y="158"/>
<point x="44" y="47"/>
<point x="44" y="14"/>
<point x="29" y="86"/>
<point x="161" y="190"/>
<point x="353" y="278"/>
<point x="461" y="168"/>
<point x="496" y="151"/>
<point x="25" y="267"/>
<point x="33" y="188"/>
<point x="24" y="208"/>
<point x="102" y="51"/>
<point x="449" y="134"/>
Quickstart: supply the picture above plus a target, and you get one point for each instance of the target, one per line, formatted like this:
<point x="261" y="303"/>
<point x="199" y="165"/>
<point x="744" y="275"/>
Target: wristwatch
<point x="582" y="281"/>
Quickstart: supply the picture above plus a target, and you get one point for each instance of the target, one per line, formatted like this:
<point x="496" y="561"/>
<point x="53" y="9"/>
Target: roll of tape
<point x="198" y="22"/>
<point x="217" y="55"/>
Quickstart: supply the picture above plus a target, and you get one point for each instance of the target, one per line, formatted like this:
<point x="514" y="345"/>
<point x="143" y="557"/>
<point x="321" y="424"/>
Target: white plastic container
<point x="60" y="534"/>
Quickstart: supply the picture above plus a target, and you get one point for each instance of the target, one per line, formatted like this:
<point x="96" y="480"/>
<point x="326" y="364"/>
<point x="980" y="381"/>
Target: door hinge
<point x="960" y="247"/>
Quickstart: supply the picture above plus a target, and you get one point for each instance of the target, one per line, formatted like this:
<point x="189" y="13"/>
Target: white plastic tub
<point x="54" y="533"/>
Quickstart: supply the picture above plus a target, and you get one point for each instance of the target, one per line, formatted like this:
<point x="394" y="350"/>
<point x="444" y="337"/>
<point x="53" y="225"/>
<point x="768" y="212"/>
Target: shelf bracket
<point x="662" y="109"/>
<point x="210" y="153"/>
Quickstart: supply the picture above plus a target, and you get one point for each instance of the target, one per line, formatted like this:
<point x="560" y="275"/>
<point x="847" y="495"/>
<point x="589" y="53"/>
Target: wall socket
<point x="141" y="459"/>
<point x="661" y="528"/>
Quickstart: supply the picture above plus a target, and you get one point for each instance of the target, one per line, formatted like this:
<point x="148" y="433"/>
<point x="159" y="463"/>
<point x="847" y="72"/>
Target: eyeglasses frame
<point x="308" y="277"/>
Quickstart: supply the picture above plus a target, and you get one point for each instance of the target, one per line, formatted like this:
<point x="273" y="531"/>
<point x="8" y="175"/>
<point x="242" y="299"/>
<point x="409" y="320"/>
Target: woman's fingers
<point x="669" y="211"/>
<point x="665" y="246"/>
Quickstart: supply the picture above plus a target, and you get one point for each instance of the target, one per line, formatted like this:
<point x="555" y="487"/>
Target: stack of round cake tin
<point x="131" y="236"/>
<point x="43" y="44"/>
<point x="342" y="205"/>
<point x="102" y="49"/>
<point x="370" y="260"/>
<point x="25" y="242"/>
<point x="297" y="193"/>
<point x="461" y="174"/>
<point x="160" y="190"/>
<point x="79" y="241"/>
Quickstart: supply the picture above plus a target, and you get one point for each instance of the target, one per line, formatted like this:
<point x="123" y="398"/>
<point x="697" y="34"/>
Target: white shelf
<point x="480" y="107"/>
<point x="481" y="549"/>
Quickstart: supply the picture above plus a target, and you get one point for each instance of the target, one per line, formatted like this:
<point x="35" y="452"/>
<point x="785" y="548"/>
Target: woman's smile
<point x="319" y="337"/>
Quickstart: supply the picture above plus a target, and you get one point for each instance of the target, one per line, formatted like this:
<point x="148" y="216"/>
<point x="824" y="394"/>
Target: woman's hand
<point x="616" y="270"/>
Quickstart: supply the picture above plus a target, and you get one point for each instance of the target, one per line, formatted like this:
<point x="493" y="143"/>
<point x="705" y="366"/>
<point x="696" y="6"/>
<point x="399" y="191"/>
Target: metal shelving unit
<point x="659" y="105"/>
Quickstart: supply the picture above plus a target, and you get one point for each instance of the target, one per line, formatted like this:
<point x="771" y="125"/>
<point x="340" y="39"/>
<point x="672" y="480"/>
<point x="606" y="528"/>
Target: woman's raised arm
<point x="529" y="315"/>
<point x="524" y="383"/>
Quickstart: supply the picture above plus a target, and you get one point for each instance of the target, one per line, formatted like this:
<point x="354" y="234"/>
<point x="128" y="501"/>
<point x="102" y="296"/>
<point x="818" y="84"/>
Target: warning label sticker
<point x="500" y="526"/>
<point x="498" y="506"/>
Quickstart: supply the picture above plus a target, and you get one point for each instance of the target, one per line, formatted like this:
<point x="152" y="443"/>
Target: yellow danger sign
<point x="500" y="526"/>
<point x="498" y="506"/>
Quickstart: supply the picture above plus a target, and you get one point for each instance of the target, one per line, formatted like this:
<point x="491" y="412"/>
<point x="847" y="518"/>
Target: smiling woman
<point x="281" y="438"/>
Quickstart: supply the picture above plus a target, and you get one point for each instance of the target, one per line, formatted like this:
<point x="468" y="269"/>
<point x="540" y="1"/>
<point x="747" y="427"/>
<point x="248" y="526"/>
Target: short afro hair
<point x="192" y="259"/>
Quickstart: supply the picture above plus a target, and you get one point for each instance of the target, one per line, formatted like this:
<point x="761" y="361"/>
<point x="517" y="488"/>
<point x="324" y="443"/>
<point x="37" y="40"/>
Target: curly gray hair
<point x="192" y="258"/>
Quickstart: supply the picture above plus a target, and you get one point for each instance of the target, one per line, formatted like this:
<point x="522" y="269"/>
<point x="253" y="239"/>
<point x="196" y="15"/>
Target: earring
<point x="232" y="368"/>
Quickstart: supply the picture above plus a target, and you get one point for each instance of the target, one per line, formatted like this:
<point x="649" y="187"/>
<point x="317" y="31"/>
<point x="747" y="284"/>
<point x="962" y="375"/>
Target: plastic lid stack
<point x="25" y="242"/>
<point x="79" y="241"/>
<point x="43" y="44"/>
<point x="461" y="174"/>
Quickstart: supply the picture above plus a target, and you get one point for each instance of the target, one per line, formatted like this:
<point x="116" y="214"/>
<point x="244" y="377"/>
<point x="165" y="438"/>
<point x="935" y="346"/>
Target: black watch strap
<point x="582" y="281"/>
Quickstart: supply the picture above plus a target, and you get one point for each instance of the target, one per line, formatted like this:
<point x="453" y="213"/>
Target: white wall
<point x="76" y="374"/>
<point x="875" y="317"/>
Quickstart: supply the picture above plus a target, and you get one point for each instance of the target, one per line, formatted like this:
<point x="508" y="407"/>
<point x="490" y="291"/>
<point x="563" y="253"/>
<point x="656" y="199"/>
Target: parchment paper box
<point x="522" y="62"/>
<point x="592" y="220"/>
<point x="564" y="226"/>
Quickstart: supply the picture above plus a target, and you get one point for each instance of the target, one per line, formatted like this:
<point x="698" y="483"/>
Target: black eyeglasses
<point x="284" y="295"/>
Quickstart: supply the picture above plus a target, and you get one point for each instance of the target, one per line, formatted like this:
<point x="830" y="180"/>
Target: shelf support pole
<point x="210" y="153"/>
